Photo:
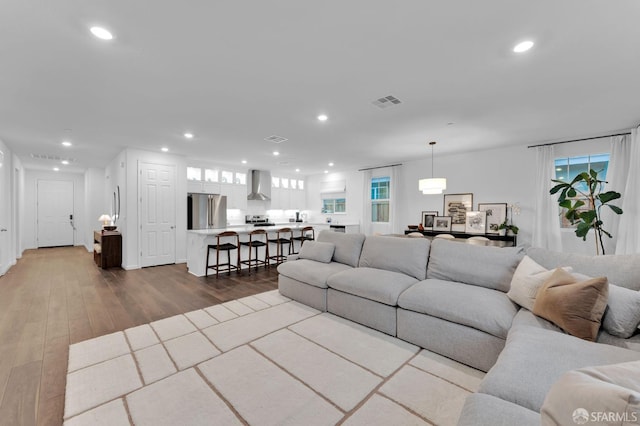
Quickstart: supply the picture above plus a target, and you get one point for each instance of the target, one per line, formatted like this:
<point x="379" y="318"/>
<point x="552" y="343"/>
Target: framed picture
<point x="476" y="222"/>
<point x="427" y="219"/>
<point x="496" y="215"/>
<point x="457" y="206"/>
<point x="442" y="223"/>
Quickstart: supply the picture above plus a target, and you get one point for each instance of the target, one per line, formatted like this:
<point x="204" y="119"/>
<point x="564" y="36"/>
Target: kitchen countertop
<point x="245" y="229"/>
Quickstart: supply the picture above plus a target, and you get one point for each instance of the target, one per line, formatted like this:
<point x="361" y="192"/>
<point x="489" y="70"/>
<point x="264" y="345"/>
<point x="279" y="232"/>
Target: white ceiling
<point x="235" y="72"/>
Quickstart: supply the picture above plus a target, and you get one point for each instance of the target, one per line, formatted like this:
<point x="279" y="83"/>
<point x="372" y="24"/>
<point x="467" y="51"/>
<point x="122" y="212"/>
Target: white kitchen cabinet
<point x="236" y="195"/>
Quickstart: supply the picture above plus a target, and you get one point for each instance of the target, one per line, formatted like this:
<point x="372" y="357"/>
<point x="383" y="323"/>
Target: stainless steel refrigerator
<point x="206" y="211"/>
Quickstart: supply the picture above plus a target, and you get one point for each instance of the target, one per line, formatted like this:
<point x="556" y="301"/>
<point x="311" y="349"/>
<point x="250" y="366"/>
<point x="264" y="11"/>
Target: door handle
<point x="172" y="227"/>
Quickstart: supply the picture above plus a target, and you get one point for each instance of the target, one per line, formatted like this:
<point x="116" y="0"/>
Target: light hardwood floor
<point x="57" y="296"/>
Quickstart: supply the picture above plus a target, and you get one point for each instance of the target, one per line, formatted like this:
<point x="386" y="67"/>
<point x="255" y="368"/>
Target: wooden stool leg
<point x="206" y="266"/>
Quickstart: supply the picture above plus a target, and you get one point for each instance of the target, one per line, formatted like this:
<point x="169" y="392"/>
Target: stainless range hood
<point x="260" y="185"/>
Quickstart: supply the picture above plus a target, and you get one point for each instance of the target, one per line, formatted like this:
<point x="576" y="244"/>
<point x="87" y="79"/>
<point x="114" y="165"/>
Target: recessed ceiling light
<point x="164" y="149"/>
<point x="323" y="117"/>
<point x="244" y="161"/>
<point x="330" y="164"/>
<point x="297" y="170"/>
<point x="523" y="47"/>
<point x="66" y="143"/>
<point x="101" y="33"/>
<point x="56" y="169"/>
<point x="276" y="153"/>
<point x="326" y="171"/>
<point x="65" y="162"/>
<point x="188" y="135"/>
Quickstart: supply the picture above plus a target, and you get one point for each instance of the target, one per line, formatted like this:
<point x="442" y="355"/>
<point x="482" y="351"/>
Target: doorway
<point x="55" y="213"/>
<point x="157" y="214"/>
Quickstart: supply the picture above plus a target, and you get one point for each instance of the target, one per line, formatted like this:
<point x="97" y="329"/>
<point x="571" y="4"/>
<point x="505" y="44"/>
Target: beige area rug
<point x="261" y="360"/>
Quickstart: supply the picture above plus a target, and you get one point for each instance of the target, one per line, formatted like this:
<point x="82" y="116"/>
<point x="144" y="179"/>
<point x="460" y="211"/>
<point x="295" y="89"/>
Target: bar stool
<point x="257" y="238"/>
<point x="306" y="234"/>
<point x="284" y="236"/>
<point x="227" y="246"/>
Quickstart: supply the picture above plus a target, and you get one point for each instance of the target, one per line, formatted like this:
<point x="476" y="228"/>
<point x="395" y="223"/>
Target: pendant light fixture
<point x="432" y="185"/>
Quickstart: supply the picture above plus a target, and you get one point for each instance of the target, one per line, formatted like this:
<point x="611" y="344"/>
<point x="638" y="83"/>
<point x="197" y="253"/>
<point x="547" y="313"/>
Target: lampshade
<point x="432" y="185"/>
<point x="105" y="219"/>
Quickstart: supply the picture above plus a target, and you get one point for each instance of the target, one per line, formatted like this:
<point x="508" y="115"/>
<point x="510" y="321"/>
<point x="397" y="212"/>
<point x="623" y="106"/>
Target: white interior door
<point x="157" y="214"/>
<point x="4" y="218"/>
<point x="55" y="213"/>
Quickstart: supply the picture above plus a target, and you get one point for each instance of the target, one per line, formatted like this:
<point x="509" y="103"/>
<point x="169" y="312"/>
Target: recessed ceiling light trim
<point x="101" y="33"/>
<point x="66" y="143"/>
<point x="323" y="117"/>
<point x="523" y="46"/>
<point x="188" y="135"/>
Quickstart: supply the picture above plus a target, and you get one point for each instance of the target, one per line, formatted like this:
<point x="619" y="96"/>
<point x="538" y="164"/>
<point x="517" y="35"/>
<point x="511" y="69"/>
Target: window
<point x="211" y="175"/>
<point x="241" y="178"/>
<point x="300" y="184"/>
<point x="334" y="205"/>
<point x="194" y="173"/>
<point x="275" y="182"/>
<point x="569" y="168"/>
<point x="227" y="177"/>
<point x="284" y="182"/>
<point x="294" y="184"/>
<point x="380" y="192"/>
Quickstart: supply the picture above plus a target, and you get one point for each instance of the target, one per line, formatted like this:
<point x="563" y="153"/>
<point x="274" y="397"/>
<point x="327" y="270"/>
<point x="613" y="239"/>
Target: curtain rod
<point x="379" y="167"/>
<point x="579" y="140"/>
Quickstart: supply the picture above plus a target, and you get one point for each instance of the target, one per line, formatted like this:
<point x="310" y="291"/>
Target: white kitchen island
<point x="198" y="240"/>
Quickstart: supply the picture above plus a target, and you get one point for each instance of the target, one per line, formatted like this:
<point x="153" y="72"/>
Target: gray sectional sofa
<point x="451" y="298"/>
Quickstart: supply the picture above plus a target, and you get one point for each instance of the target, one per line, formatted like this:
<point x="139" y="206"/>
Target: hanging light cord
<point x="432" y="144"/>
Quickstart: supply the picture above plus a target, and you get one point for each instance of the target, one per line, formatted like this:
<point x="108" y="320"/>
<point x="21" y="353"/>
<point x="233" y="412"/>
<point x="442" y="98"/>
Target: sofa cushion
<point x="526" y="318"/>
<point x="484" y="309"/>
<point x="622" y="315"/>
<point x="533" y="359"/>
<point x="317" y="250"/>
<point x="622" y="270"/>
<point x="481" y="409"/>
<point x="527" y="279"/>
<point x="348" y="246"/>
<point x="405" y="255"/>
<point x="600" y="390"/>
<point x="311" y="272"/>
<point x="374" y="284"/>
<point x="485" y="266"/>
<point x="575" y="306"/>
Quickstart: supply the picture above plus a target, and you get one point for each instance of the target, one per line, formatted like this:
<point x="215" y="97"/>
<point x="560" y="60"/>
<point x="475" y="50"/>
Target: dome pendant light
<point x="432" y="185"/>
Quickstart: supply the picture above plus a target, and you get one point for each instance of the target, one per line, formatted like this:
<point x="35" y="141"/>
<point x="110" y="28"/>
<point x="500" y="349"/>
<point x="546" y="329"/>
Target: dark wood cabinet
<point x="500" y="240"/>
<point x="107" y="248"/>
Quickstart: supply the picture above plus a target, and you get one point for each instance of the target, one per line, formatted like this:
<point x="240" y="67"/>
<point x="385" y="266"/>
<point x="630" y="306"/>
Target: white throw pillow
<point x="622" y="316"/>
<point x="317" y="250"/>
<point x="607" y="394"/>
<point x="527" y="280"/>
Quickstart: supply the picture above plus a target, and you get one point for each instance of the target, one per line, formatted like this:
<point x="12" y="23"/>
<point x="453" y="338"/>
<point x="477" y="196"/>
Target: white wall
<point x="504" y="175"/>
<point x="94" y="203"/>
<point x="17" y="200"/>
<point x="29" y="226"/>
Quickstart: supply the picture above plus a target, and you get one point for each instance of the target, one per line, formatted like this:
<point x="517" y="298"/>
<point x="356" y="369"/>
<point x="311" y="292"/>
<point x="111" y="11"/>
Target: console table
<point x="107" y="248"/>
<point x="509" y="240"/>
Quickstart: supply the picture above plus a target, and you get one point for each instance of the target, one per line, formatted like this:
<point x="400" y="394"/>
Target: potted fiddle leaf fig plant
<point x="583" y="200"/>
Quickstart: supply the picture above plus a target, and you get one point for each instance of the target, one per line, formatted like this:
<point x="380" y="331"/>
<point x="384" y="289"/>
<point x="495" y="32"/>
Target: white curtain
<point x="629" y="227"/>
<point x="616" y="181"/>
<point x="393" y="201"/>
<point x="546" y="226"/>
<point x="367" y="226"/>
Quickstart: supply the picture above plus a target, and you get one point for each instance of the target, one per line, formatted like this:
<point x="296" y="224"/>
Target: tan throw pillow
<point x="608" y="394"/>
<point x="575" y="306"/>
<point x="527" y="279"/>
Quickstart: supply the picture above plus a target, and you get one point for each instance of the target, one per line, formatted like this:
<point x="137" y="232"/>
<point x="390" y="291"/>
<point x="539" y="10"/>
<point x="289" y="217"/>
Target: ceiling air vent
<point x="51" y="157"/>
<point x="276" y="139"/>
<point x="387" y="101"/>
